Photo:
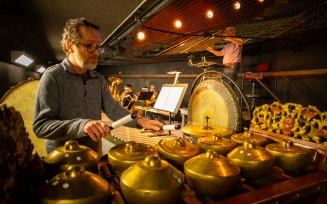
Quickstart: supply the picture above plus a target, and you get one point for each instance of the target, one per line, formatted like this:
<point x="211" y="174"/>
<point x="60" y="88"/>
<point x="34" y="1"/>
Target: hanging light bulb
<point x="209" y="14"/>
<point x="237" y="5"/>
<point x="140" y="35"/>
<point x="178" y="24"/>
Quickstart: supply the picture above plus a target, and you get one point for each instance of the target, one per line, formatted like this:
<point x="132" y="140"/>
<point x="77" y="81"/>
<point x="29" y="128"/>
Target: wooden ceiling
<point x="35" y="26"/>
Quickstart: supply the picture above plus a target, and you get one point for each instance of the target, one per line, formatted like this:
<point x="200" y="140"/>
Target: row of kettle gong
<point x="157" y="174"/>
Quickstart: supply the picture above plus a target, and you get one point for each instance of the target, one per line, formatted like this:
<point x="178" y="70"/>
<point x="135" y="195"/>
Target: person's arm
<point x="237" y="41"/>
<point x="215" y="52"/>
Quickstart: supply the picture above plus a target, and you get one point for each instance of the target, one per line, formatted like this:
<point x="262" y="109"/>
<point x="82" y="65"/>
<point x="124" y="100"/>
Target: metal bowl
<point x="211" y="174"/>
<point x="289" y="157"/>
<point x="152" y="180"/>
<point x="75" y="186"/>
<point x="255" y="161"/>
<point x="126" y="154"/>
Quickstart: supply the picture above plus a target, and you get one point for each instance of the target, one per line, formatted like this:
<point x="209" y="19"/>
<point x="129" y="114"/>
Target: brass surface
<point x="203" y="130"/>
<point x="214" y="99"/>
<point x="177" y="151"/>
<point x="289" y="157"/>
<point x="216" y="142"/>
<point x="211" y="174"/>
<point x="22" y="98"/>
<point x="75" y="186"/>
<point x="152" y="180"/>
<point x="125" y="155"/>
<point x="71" y="154"/>
<point x="255" y="161"/>
<point x="259" y="140"/>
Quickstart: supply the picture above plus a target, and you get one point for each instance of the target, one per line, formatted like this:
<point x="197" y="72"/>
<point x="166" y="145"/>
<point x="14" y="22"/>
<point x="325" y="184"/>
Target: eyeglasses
<point x="91" y="49"/>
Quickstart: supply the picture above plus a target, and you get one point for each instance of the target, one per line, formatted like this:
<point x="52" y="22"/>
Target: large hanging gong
<point x="214" y="99"/>
<point x="22" y="97"/>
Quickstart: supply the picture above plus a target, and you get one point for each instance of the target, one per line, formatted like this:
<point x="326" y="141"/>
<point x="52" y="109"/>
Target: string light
<point x="237" y="5"/>
<point x="209" y="14"/>
<point x="140" y="35"/>
<point x="178" y="24"/>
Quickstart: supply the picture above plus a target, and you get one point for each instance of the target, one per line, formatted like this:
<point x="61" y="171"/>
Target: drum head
<point x="217" y="100"/>
<point x="22" y="97"/>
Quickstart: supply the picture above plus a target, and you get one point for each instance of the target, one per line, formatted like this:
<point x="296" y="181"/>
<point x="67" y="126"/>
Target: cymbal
<point x="204" y="131"/>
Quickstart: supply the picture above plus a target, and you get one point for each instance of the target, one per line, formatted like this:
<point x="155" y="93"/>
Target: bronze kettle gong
<point x="177" y="151"/>
<point x="289" y="157"/>
<point x="71" y="154"/>
<point x="75" y="186"/>
<point x="211" y="174"/>
<point x="216" y="142"/>
<point x="152" y="180"/>
<point x="126" y="154"/>
<point x="255" y="161"/>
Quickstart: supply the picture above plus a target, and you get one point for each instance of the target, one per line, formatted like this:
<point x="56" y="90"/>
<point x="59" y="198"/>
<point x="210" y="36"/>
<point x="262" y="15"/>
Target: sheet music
<point x="170" y="97"/>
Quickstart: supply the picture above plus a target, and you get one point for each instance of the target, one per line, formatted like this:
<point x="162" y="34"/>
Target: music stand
<point x="145" y="95"/>
<point x="170" y="97"/>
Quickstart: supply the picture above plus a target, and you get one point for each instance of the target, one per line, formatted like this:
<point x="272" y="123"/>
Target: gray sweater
<point x="63" y="105"/>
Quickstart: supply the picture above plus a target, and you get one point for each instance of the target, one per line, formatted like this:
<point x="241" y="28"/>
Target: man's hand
<point x="96" y="129"/>
<point x="150" y="124"/>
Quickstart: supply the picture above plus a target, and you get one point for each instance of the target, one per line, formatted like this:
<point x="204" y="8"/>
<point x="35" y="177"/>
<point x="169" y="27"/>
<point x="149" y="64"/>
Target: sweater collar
<point x="69" y="68"/>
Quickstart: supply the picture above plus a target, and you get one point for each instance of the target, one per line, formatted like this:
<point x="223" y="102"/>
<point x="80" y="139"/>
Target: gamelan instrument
<point x="203" y="131"/>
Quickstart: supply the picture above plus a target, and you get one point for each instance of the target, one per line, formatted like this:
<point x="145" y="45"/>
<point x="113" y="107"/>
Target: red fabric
<point x="259" y="68"/>
<point x="262" y="67"/>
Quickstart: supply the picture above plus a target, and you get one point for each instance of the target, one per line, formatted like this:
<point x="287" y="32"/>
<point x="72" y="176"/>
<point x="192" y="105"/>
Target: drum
<point x="22" y="97"/>
<point x="214" y="103"/>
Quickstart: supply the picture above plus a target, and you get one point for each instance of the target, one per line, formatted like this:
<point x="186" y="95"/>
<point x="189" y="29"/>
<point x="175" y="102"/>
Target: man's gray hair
<point x="71" y="31"/>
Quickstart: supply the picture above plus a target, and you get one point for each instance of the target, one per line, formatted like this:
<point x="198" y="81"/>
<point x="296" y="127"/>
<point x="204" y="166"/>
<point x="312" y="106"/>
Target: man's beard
<point x="88" y="64"/>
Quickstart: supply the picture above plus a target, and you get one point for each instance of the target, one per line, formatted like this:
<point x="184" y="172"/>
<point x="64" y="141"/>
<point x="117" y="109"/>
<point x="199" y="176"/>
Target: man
<point x="71" y="95"/>
<point x="232" y="53"/>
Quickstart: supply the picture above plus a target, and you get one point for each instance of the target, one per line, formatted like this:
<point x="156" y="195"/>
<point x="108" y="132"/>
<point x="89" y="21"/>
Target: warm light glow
<point x="178" y="24"/>
<point x="237" y="5"/>
<point x="261" y="1"/>
<point x="24" y="60"/>
<point x="209" y="14"/>
<point x="140" y="35"/>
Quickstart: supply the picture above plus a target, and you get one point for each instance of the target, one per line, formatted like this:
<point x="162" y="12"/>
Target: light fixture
<point x="40" y="68"/>
<point x="178" y="24"/>
<point x="237" y="5"/>
<point x="140" y="35"/>
<point x="21" y="58"/>
<point x="177" y="71"/>
<point x="209" y="14"/>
